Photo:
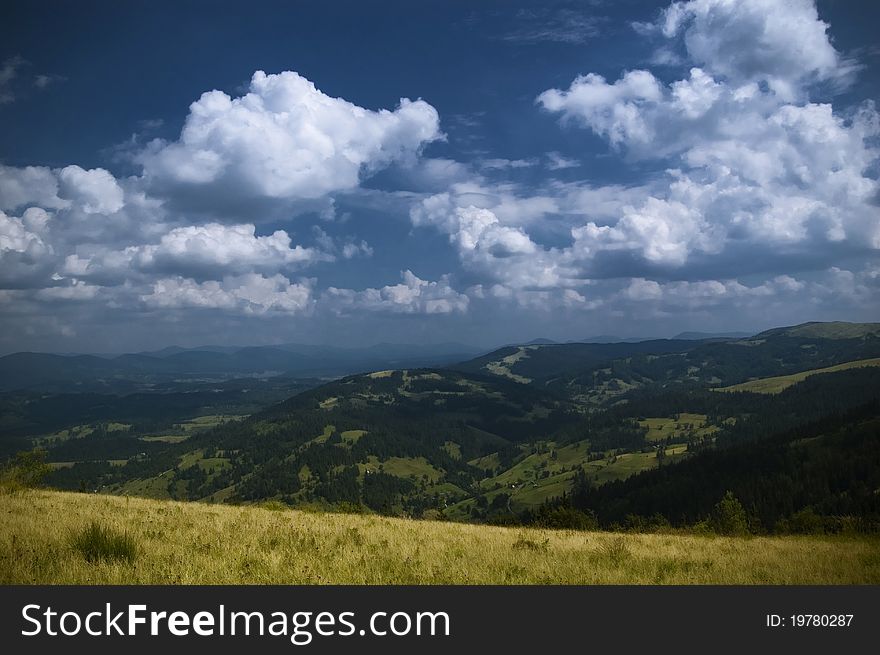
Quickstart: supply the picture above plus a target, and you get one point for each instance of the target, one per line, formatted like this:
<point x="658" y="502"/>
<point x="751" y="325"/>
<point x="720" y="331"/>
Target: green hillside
<point x="778" y="383"/>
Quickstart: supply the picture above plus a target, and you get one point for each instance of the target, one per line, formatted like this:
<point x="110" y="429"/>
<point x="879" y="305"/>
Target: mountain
<point x="134" y="372"/>
<point x="830" y="330"/>
<point x="523" y="434"/>
<point x="599" y="373"/>
<point x="700" y="336"/>
<point x="441" y="443"/>
<point x="610" y="338"/>
<point x="539" y="362"/>
<point x="397" y="441"/>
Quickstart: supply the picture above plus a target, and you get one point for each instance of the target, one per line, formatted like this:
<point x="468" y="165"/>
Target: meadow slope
<point x="779" y="383"/>
<point x="196" y="543"/>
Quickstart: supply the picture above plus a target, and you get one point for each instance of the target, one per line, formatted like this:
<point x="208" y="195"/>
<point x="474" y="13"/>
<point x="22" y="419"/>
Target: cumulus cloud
<point x="610" y="110"/>
<point x="493" y="229"/>
<point x="782" y="43"/>
<point x="287" y="139"/>
<point x="95" y="191"/>
<point x="661" y="231"/>
<point x="208" y="251"/>
<point x="413" y="296"/>
<point x="24" y="254"/>
<point x="480" y="230"/>
<point x="347" y="248"/>
<point x="30" y="185"/>
<point x="229" y="247"/>
<point x="825" y="287"/>
<point x="487" y="227"/>
<point x="75" y="291"/>
<point x="249" y="294"/>
<point x="753" y="164"/>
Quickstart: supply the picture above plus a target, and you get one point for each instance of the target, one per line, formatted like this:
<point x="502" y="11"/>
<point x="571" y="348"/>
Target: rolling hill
<point x="827" y="330"/>
<point x="598" y="373"/>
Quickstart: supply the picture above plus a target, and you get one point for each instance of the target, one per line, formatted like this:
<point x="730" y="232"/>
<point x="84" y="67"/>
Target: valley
<point x="568" y="435"/>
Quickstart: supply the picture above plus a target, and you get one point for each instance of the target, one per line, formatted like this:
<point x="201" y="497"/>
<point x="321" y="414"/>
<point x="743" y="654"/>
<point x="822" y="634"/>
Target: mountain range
<point x="144" y="371"/>
<point x="515" y="435"/>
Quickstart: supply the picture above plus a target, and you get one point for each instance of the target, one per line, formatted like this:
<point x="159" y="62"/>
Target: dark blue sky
<point x="531" y="197"/>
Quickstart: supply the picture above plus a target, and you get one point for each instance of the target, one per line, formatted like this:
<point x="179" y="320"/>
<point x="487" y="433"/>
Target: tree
<point x="729" y="516"/>
<point x="27" y="469"/>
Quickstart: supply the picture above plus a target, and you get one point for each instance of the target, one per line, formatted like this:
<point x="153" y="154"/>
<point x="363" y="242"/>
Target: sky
<point x="423" y="172"/>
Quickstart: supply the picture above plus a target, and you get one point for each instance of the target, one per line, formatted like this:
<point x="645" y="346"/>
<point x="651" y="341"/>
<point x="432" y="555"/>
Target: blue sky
<point x="248" y="172"/>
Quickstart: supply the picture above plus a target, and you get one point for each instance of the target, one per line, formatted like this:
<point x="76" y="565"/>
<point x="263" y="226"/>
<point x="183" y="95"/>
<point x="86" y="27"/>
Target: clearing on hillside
<point x="782" y="382"/>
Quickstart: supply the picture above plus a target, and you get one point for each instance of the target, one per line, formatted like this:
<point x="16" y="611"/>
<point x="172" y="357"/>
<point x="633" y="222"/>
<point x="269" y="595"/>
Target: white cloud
<point x="347" y="249"/>
<point x="782" y="43"/>
<point x="286" y="139"/>
<point x="662" y="231"/>
<point x="480" y="230"/>
<point x="354" y="249"/>
<point x="211" y="251"/>
<point x="31" y="185"/>
<point x="558" y="162"/>
<point x="486" y="244"/>
<point x="501" y="163"/>
<point x="751" y="166"/>
<point x="412" y="296"/>
<point x="20" y="235"/>
<point x="249" y="294"/>
<point x="440" y="210"/>
<point x="75" y="291"/>
<point x="685" y="295"/>
<point x="231" y="247"/>
<point x="25" y="256"/>
<point x="611" y="110"/>
<point x="695" y="96"/>
<point x="94" y="191"/>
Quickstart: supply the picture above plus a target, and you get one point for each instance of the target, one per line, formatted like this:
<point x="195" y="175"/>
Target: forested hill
<point x="822" y="476"/>
<point x="600" y="372"/>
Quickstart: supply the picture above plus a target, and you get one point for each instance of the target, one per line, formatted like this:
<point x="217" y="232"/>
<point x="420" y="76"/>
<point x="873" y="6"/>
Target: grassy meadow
<point x="780" y="383"/>
<point x="49" y="537"/>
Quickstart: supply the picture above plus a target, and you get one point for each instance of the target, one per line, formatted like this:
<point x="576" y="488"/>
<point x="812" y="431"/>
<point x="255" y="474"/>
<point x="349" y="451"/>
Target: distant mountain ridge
<point x="717" y="360"/>
<point x="698" y="336"/>
<point x="137" y="371"/>
<point x="825" y="330"/>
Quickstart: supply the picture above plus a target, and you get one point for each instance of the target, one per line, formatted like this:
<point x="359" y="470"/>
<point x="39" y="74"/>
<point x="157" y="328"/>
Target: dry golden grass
<point x="192" y="543"/>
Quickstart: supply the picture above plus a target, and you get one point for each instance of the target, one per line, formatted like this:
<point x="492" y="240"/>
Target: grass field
<point x="193" y="543"/>
<point x="686" y="425"/>
<point x="783" y="382"/>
